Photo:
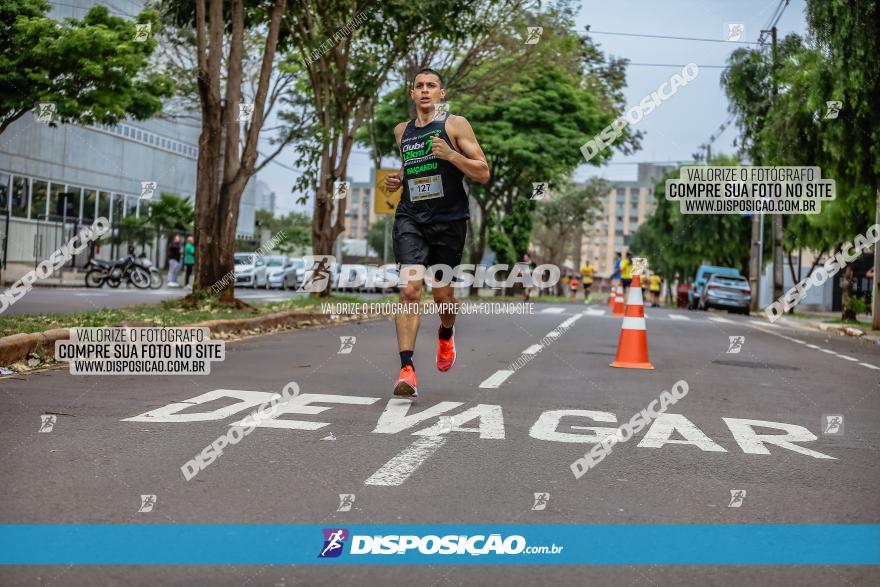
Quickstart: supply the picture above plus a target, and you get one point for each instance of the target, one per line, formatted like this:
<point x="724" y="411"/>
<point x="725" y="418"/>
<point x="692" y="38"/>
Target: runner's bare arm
<point x="392" y="182"/>
<point x="471" y="159"/>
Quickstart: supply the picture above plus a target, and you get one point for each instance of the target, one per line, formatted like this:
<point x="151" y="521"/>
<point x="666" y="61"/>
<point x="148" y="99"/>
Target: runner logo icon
<point x="334" y="540"/>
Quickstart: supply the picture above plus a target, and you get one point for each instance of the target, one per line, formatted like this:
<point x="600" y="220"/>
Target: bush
<point x="857" y="305"/>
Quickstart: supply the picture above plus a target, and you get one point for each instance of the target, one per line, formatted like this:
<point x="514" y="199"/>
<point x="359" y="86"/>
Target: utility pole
<point x="778" y="273"/>
<point x="755" y="260"/>
<point x="875" y="293"/>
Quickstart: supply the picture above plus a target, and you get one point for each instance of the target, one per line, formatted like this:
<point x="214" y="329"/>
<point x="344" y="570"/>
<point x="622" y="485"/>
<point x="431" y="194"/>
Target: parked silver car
<point x="726" y="292"/>
<point x="250" y="270"/>
<point x="281" y="272"/>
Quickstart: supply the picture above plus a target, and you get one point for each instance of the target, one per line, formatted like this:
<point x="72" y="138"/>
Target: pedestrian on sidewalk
<point x="174" y="251"/>
<point x="189" y="258"/>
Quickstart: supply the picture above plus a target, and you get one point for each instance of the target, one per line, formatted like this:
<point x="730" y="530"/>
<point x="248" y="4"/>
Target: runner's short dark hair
<point x="431" y="71"/>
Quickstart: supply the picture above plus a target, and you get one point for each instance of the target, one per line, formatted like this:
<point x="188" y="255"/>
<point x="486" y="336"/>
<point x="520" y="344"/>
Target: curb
<point x="840" y="329"/>
<point x="36" y="285"/>
<point x="17" y="347"/>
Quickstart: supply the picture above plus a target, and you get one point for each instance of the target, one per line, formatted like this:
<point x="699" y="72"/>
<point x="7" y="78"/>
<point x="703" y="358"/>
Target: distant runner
<point x="438" y="151"/>
<point x="528" y="283"/>
<point x="656" y="286"/>
<point x="626" y="272"/>
<point x="587" y="274"/>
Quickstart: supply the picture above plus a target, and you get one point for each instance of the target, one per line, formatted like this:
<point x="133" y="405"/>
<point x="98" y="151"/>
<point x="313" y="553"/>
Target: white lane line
<point x="496" y="379"/>
<point x="404" y="464"/>
<point x="762" y="323"/>
<point x="678" y="317"/>
<point x="91" y="294"/>
<point x="595" y="312"/>
<point x="554" y="310"/>
<point x="818" y="348"/>
<point x="721" y="320"/>
<point x="533" y="350"/>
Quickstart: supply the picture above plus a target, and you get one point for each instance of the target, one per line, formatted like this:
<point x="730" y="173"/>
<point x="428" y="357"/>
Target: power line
<point x="671" y="37"/>
<point x="677" y="65"/>
<point x="762" y="40"/>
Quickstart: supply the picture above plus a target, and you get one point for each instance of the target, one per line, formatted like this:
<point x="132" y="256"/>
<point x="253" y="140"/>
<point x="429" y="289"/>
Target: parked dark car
<point x="726" y="292"/>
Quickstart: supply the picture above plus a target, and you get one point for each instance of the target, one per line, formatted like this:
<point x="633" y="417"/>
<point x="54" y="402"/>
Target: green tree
<point x="93" y="70"/>
<point x="559" y="221"/>
<point x="376" y="234"/>
<point x="297" y="229"/>
<point x="790" y="128"/>
<point x="171" y="212"/>
<point x="228" y="142"/>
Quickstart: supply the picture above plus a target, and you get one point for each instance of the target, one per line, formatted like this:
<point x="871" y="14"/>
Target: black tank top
<point x="433" y="189"/>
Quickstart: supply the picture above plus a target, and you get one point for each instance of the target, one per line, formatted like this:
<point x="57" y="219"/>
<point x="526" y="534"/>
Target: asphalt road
<point x="107" y="448"/>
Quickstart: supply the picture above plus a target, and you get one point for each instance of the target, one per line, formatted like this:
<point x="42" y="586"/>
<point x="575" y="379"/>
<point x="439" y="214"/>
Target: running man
<point x="626" y="273"/>
<point x="587" y="274"/>
<point x="438" y="151"/>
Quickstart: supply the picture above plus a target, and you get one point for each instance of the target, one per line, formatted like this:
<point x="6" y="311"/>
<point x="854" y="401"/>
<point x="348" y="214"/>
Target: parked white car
<point x="281" y="272"/>
<point x="352" y="277"/>
<point x="250" y="270"/>
<point x="300" y="266"/>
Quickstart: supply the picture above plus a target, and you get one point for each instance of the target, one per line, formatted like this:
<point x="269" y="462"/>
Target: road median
<point x="24" y="351"/>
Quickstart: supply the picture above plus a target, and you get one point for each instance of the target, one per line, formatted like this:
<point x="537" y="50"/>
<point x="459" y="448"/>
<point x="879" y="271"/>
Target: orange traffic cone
<point x="618" y="309"/>
<point x="632" y="348"/>
<point x="611" y="295"/>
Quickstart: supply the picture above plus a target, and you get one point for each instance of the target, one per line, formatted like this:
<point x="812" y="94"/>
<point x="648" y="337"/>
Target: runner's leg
<point x="411" y="253"/>
<point x="446" y="243"/>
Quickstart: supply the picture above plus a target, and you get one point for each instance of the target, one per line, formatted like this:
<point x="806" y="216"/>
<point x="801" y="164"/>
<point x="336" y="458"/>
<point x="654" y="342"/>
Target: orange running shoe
<point x="446" y="352"/>
<point x="406" y="384"/>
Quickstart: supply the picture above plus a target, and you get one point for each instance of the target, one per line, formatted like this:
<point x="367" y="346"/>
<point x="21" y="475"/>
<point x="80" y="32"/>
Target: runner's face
<point x="427" y="91"/>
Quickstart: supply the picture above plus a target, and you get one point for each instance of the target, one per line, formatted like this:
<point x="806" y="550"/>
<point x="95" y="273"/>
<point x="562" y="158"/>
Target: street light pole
<point x="875" y="293"/>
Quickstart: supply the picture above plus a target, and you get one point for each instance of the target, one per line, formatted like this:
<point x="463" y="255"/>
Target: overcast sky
<point x="675" y="129"/>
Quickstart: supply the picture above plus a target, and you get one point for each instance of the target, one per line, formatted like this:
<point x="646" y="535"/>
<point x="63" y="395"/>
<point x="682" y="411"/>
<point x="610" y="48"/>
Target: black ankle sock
<point x="445" y="333"/>
<point x="406" y="359"/>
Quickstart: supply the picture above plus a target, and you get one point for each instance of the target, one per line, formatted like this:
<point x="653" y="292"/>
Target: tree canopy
<point x="93" y="70"/>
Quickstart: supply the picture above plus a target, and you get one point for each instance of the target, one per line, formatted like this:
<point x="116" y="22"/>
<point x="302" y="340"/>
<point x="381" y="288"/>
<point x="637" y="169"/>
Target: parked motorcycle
<point x="129" y="269"/>
<point x="156" y="279"/>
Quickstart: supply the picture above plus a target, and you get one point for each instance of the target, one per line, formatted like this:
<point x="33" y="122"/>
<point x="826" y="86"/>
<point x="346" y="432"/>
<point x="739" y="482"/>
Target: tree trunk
<point x="224" y="168"/>
<point x="846" y="281"/>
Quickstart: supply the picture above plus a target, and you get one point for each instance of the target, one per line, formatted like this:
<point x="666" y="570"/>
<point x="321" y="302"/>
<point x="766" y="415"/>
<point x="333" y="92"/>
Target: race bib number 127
<point x="425" y="188"/>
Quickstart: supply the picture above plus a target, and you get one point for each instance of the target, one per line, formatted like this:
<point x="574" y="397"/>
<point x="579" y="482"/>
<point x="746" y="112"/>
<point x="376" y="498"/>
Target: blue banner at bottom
<point x="605" y="544"/>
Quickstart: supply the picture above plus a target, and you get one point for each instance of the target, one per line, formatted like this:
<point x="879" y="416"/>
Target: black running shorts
<point x="436" y="243"/>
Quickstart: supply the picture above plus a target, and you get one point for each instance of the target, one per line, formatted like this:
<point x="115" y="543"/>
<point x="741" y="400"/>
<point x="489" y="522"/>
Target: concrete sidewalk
<point x="15" y="271"/>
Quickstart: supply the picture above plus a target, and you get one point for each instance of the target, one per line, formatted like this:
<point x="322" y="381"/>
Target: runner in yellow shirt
<point x="587" y="274"/>
<point x="626" y="273"/>
<point x="656" y="285"/>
